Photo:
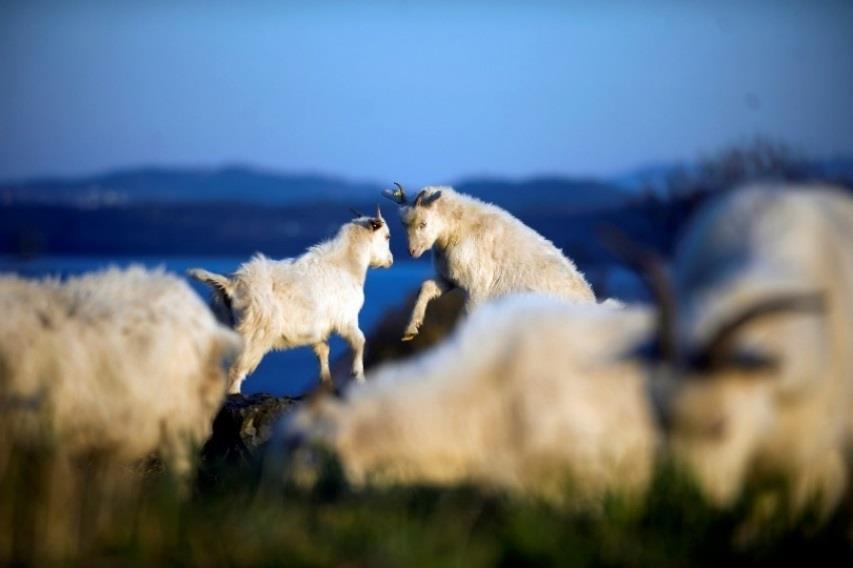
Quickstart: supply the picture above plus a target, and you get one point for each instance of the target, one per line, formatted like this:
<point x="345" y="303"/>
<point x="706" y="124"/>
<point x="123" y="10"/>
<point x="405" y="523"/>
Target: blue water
<point x="283" y="372"/>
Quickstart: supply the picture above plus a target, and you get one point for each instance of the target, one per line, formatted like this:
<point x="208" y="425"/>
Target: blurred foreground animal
<point x="530" y="394"/>
<point x="755" y="344"/>
<point x="483" y="250"/>
<point x="302" y="301"/>
<point x="117" y="363"/>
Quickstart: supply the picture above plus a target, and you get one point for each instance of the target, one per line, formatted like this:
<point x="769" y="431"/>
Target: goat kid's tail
<point x="220" y="284"/>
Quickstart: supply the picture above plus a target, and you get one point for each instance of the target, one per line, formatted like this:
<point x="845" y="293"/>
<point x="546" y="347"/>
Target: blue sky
<point x="428" y="92"/>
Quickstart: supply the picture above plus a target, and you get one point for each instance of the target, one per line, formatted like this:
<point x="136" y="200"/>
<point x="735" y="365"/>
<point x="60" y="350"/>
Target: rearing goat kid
<point x="483" y="250"/>
<point x="301" y="301"/>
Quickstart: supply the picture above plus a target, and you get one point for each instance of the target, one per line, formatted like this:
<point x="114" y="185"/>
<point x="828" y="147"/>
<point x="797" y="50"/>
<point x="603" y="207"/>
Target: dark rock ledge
<point x="244" y="425"/>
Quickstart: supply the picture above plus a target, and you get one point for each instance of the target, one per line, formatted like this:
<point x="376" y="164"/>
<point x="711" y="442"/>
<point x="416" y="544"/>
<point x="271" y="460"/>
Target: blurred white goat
<point x="302" y="301"/>
<point x="759" y="344"/>
<point x="118" y="363"/>
<point x="529" y="394"/>
<point x="483" y="250"/>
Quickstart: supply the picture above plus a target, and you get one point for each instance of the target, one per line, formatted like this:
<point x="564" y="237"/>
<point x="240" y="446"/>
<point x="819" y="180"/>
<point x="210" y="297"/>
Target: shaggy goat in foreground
<point x="529" y="394"/>
<point x="760" y="347"/>
<point x="483" y="250"/>
<point x="302" y="301"/>
<point x="117" y="363"/>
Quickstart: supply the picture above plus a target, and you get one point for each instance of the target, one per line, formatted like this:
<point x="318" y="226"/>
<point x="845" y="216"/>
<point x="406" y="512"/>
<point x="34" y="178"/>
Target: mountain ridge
<point x="239" y="183"/>
<point x="235" y="183"/>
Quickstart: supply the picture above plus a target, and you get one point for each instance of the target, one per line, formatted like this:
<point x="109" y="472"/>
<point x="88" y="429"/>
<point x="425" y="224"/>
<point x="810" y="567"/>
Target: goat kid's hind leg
<point x="321" y="350"/>
<point x="355" y="339"/>
<point x="430" y="290"/>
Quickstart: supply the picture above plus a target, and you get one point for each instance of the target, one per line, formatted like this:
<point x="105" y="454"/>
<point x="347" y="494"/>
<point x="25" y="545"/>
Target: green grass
<point x="231" y="518"/>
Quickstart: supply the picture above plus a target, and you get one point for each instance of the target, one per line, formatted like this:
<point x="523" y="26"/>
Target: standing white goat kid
<point x="483" y="250"/>
<point x="302" y="301"/>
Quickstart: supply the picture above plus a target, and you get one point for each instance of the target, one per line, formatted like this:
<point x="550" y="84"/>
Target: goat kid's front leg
<point x="355" y="339"/>
<point x="248" y="360"/>
<point x="321" y="350"/>
<point x="430" y="290"/>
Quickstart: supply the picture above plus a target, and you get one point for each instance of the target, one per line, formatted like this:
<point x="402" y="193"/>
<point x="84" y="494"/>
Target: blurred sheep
<point x="117" y="363"/>
<point x="754" y="351"/>
<point x="483" y="250"/>
<point x="302" y="301"/>
<point x="530" y="394"/>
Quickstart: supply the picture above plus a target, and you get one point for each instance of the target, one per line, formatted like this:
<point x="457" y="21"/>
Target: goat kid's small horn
<point x="356" y="212"/>
<point x="397" y="195"/>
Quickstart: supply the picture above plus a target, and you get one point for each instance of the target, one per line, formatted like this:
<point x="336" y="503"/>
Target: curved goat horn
<point x="652" y="269"/>
<point x="721" y="343"/>
<point x="397" y="195"/>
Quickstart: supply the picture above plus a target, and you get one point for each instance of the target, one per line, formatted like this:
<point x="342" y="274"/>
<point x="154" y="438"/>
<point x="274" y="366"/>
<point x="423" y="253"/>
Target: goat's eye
<point x="422" y="226"/>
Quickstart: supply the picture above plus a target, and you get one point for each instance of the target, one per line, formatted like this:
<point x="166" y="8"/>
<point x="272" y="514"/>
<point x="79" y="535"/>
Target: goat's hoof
<point x="408" y="336"/>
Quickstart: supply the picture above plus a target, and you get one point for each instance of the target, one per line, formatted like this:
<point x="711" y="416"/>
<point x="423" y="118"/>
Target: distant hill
<point x="552" y="194"/>
<point x="158" y="185"/>
<point x="837" y="170"/>
<point x="250" y="186"/>
<point x="840" y="169"/>
<point x="239" y="184"/>
<point x="238" y="211"/>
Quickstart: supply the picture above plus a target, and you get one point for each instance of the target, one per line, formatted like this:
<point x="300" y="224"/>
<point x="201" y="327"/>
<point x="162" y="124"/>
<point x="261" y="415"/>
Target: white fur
<point x="118" y="363"/>
<point x="486" y="252"/>
<point x="302" y="301"/>
<point x="530" y="394"/>
<point x="795" y="421"/>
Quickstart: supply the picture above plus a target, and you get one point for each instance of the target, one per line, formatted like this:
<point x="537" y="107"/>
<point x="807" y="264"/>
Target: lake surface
<point x="283" y="372"/>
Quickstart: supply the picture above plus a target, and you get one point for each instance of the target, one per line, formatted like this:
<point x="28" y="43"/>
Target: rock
<point x="243" y="426"/>
<point x="384" y="340"/>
